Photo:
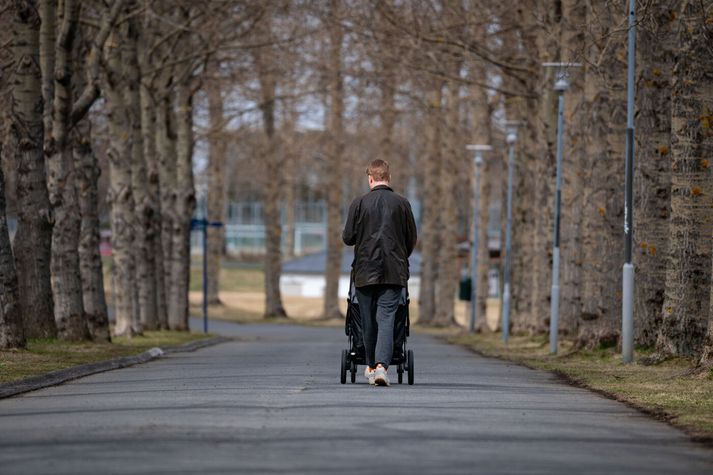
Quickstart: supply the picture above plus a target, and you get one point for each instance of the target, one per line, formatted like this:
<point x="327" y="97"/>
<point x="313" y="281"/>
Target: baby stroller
<point x="356" y="354"/>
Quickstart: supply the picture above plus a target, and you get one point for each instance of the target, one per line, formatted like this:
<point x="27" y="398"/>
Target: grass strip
<point x="42" y="356"/>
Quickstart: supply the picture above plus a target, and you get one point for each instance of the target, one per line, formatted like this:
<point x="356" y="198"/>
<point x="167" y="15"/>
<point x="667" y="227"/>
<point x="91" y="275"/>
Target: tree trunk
<point x="605" y="92"/>
<point x="144" y="246"/>
<point x="153" y="203"/>
<point x="572" y="46"/>
<point x="483" y="136"/>
<point x="185" y="206"/>
<point x="657" y="43"/>
<point x="166" y="158"/>
<point x="430" y="237"/>
<point x="216" y="186"/>
<point x="536" y="141"/>
<point x="34" y="231"/>
<point x="90" y="262"/>
<point x="12" y="334"/>
<point x="66" y="275"/>
<point x="48" y="16"/>
<point x="387" y="115"/>
<point x="120" y="193"/>
<point x="523" y="184"/>
<point x="688" y="273"/>
<point x="290" y="201"/>
<point x="334" y="166"/>
<point x="264" y="59"/>
<point x="447" y="256"/>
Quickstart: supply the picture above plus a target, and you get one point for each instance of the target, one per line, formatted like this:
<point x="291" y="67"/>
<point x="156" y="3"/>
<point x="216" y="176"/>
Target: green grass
<point x="670" y="390"/>
<point x="233" y="278"/>
<point x="43" y="356"/>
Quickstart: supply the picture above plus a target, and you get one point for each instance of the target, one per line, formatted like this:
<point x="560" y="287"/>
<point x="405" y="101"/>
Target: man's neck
<point x="380" y="183"/>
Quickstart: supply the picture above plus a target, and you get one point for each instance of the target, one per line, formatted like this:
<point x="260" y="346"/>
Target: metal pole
<point x="205" y="276"/>
<point x="555" y="298"/>
<point x="511" y="138"/>
<point x="627" y="308"/>
<point x="474" y="251"/>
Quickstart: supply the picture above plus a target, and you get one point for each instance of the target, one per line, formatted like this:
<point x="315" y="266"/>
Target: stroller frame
<point x="355" y="354"/>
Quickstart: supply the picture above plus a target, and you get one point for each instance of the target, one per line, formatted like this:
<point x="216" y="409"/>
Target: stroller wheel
<point x="400" y="372"/>
<point x="343" y="372"/>
<point x="410" y="367"/>
<point x="353" y="372"/>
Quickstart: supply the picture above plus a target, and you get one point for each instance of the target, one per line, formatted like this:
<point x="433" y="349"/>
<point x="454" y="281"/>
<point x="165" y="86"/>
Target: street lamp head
<point x="562" y="83"/>
<point x="511" y="131"/>
<point x="478" y="149"/>
<point x="561" y="74"/>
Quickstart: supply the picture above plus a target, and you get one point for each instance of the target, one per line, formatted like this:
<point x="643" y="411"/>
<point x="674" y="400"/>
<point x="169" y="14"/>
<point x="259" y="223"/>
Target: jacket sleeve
<point x="349" y="234"/>
<point x="410" y="233"/>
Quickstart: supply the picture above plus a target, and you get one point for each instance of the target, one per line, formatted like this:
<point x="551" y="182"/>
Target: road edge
<point x="692" y="433"/>
<point x="61" y="376"/>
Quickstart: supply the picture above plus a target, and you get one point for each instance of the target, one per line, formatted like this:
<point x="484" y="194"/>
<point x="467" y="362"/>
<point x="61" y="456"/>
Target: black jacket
<point x="381" y="228"/>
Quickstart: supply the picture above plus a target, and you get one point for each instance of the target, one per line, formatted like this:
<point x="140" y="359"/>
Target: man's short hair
<point x="379" y="170"/>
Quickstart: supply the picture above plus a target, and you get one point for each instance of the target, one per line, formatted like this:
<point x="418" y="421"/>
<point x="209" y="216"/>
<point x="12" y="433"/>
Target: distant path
<point x="274" y="404"/>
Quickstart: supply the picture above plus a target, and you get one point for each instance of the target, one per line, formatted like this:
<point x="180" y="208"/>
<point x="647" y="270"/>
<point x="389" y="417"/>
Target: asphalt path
<point x="272" y="402"/>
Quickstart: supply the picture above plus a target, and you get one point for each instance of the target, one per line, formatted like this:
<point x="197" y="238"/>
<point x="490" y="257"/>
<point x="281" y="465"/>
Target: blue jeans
<point x="378" y="305"/>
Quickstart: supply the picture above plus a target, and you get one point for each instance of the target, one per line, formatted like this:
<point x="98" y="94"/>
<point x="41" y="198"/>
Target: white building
<point x="304" y="276"/>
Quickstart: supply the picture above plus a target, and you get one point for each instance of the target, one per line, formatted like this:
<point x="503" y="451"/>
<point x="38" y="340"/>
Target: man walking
<point x="381" y="227"/>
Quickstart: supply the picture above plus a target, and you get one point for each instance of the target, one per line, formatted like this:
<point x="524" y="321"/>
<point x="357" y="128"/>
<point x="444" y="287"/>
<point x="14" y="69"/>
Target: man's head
<point x="378" y="172"/>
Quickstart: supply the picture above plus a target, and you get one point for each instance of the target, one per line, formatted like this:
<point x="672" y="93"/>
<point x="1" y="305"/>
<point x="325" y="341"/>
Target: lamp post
<point x="627" y="307"/>
<point x="478" y="161"/>
<point x="511" y="139"/>
<point x="561" y="85"/>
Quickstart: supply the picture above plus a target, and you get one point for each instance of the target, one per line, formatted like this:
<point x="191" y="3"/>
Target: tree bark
<point x="90" y="262"/>
<point x="482" y="112"/>
<point x="48" y="26"/>
<point x="657" y="44"/>
<point x="216" y="186"/>
<point x="185" y="206"/>
<point x="447" y="255"/>
<point x="536" y="138"/>
<point x="66" y="275"/>
<point x="605" y="92"/>
<point x="120" y="192"/>
<point x="166" y="158"/>
<point x="430" y="237"/>
<point x="144" y="246"/>
<point x="572" y="46"/>
<point x="34" y="231"/>
<point x="688" y="272"/>
<point x="12" y="334"/>
<point x="153" y="202"/>
<point x="334" y="165"/>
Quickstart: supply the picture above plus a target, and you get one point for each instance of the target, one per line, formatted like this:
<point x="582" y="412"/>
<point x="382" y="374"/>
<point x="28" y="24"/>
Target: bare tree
<point x="216" y="180"/>
<point x="572" y="48"/>
<point x="34" y="231"/>
<point x="430" y="242"/>
<point x="90" y="263"/>
<point x="334" y="165"/>
<point x="267" y="77"/>
<point x="657" y="43"/>
<point x="144" y="210"/>
<point x="602" y="213"/>
<point x="11" y="330"/>
<point x="686" y="309"/>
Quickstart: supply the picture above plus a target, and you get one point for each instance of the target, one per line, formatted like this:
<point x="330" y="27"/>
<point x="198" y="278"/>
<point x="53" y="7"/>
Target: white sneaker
<point x="380" y="378"/>
<point x="369" y="375"/>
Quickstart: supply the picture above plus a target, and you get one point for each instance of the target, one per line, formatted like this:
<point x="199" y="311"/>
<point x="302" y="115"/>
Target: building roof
<point x="315" y="263"/>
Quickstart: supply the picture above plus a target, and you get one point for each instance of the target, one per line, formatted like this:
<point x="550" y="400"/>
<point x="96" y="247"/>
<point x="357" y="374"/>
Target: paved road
<point x="273" y="404"/>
